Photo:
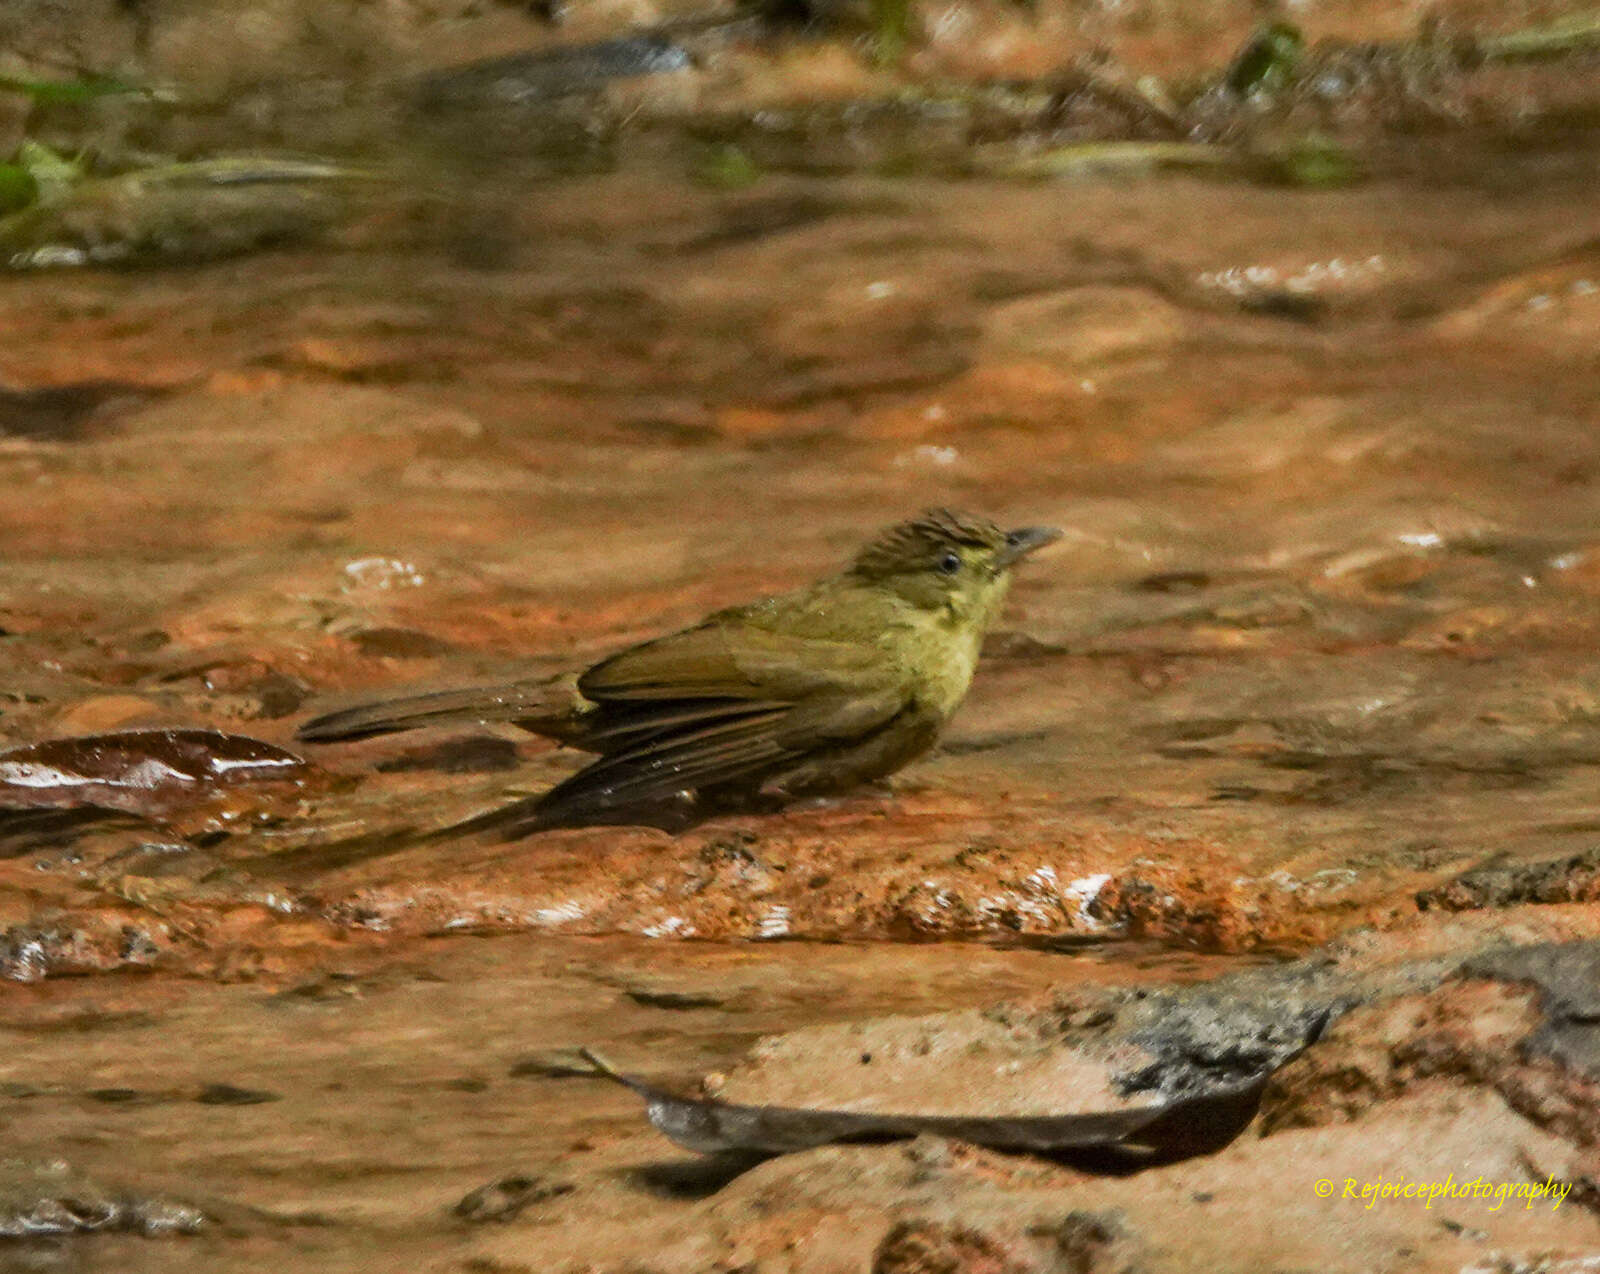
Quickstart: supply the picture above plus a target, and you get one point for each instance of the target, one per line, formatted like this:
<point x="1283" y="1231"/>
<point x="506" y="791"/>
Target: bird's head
<point x="951" y="562"/>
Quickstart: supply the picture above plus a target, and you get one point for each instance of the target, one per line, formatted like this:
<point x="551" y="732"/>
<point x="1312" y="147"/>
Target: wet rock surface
<point x="1281" y="769"/>
<point x="450" y="1148"/>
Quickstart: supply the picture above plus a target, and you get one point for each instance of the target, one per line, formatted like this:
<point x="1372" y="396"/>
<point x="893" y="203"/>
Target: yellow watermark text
<point x="1495" y="1194"/>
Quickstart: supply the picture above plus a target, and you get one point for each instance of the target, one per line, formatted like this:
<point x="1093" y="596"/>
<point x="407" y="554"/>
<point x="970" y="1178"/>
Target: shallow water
<point x="1318" y="632"/>
<point x="337" y="1115"/>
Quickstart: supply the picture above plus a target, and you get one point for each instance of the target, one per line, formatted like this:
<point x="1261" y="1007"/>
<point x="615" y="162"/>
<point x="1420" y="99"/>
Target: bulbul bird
<point x="807" y="693"/>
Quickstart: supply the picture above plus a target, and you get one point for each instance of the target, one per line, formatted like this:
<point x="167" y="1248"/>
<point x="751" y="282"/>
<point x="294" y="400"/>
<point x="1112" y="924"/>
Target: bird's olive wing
<point x="706" y="755"/>
<point x="736" y="661"/>
<point x="826" y="720"/>
<point x="710" y="752"/>
<point x="714" y="706"/>
<point x="713" y="752"/>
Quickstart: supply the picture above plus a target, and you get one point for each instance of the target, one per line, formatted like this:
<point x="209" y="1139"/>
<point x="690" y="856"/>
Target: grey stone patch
<point x="1195" y="1039"/>
<point x="1554" y="880"/>
<point x="1567" y="976"/>
<point x="1245" y="1024"/>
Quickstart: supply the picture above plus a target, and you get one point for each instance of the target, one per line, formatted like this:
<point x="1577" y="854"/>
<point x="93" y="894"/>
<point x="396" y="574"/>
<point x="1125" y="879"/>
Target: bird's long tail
<point x="552" y="707"/>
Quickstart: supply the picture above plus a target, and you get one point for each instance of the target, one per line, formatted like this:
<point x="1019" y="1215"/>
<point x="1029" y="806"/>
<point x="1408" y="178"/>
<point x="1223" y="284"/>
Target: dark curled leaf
<point x="1190" y="1125"/>
<point x="139" y="771"/>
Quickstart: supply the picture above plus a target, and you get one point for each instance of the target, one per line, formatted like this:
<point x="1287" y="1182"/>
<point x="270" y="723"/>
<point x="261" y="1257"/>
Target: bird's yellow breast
<point x="931" y="651"/>
<point x="937" y="652"/>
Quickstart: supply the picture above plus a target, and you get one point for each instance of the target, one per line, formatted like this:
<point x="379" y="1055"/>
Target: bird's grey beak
<point x="1024" y="540"/>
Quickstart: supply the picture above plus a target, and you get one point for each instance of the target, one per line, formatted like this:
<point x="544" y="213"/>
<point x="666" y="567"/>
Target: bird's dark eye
<point x="950" y="563"/>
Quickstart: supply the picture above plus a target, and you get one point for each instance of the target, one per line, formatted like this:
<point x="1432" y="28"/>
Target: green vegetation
<point x="1573" y="34"/>
<point x="891" y="29"/>
<point x="1313" y="161"/>
<point x="70" y="92"/>
<point x="726" y="167"/>
<point x="1267" y="62"/>
<point x="36" y="174"/>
